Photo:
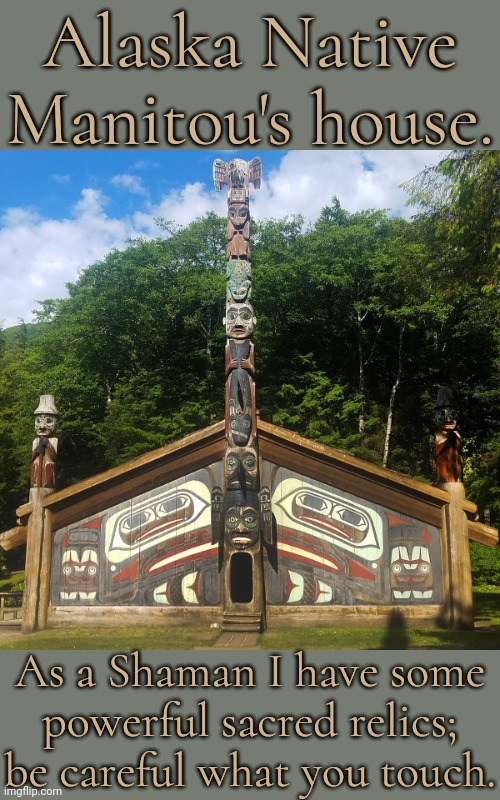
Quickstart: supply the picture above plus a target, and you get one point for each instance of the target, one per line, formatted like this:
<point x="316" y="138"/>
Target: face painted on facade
<point x="79" y="573"/>
<point x="240" y="321"/>
<point x="46" y="424"/>
<point x="241" y="468"/>
<point x="411" y="570"/>
<point x="242" y="526"/>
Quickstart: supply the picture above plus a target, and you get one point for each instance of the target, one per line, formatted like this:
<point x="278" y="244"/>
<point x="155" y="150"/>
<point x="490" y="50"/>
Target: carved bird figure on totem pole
<point x="237" y="173"/>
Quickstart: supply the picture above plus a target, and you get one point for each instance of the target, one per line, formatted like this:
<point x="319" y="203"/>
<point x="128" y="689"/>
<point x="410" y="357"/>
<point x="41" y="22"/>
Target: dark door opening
<point x="241" y="578"/>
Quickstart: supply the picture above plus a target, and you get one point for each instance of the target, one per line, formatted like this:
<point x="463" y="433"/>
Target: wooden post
<point x="460" y="577"/>
<point x="38" y="564"/>
<point x="45" y="570"/>
<point x="32" y="569"/>
<point x="39" y="537"/>
<point x="449" y="465"/>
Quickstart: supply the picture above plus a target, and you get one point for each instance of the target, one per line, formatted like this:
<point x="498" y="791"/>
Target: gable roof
<point x="277" y="445"/>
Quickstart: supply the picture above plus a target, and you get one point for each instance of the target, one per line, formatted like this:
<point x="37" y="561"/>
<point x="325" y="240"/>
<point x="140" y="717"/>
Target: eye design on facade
<point x="335" y="519"/>
<point x="144" y="523"/>
<point x="79" y="570"/>
<point x="133" y="524"/>
<point x="355" y="523"/>
<point x="153" y="520"/>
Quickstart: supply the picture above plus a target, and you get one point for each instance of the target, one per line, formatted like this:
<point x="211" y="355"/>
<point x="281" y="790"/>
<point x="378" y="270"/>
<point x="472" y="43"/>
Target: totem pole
<point x="239" y="524"/>
<point x="39" y="537"/>
<point x="448" y="442"/>
<point x="449" y="466"/>
<point x="44" y="453"/>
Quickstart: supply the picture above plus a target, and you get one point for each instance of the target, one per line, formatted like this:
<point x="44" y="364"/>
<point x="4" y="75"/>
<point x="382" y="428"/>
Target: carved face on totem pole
<point x="240" y="321"/>
<point x="45" y="425"/>
<point x="242" y="521"/>
<point x="46" y="417"/>
<point x="240" y="467"/>
<point x="446" y="419"/>
<point x="238" y="216"/>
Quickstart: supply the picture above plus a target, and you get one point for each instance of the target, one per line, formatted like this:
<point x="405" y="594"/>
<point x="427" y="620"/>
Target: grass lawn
<point x="486" y="636"/>
<point x="123" y="639"/>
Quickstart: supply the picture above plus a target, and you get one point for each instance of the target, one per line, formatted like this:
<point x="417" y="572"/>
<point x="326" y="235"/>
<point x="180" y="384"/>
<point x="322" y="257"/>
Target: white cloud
<point x="306" y="181"/>
<point x="131" y="183"/>
<point x="39" y="255"/>
<point x="60" y="178"/>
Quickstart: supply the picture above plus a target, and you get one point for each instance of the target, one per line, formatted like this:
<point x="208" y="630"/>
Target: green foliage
<point x="485" y="564"/>
<point x="460" y="199"/>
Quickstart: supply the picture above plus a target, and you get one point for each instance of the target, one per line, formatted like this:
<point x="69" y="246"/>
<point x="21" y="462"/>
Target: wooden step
<point x="242" y="622"/>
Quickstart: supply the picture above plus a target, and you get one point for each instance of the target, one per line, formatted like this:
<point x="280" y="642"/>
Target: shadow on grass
<point x="396" y="637"/>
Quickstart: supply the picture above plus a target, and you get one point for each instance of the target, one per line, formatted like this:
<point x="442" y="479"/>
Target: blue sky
<point x="61" y="211"/>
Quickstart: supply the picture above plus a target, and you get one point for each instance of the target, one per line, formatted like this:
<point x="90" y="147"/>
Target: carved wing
<point x="266" y="514"/>
<point x="217" y="515"/>
<point x="255" y="172"/>
<point x="220" y="174"/>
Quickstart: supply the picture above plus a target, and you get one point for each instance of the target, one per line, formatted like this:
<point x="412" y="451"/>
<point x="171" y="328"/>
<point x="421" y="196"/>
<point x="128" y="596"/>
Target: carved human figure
<point x="240" y="354"/>
<point x="448" y="442"/>
<point x="44" y="450"/>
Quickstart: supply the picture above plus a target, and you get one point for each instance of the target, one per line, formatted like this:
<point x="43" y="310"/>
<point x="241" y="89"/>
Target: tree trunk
<point x="361" y="358"/>
<point x="392" y="401"/>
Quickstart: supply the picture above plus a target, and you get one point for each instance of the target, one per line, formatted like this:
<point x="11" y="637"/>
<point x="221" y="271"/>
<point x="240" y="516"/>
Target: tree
<point x="460" y="201"/>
